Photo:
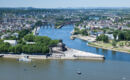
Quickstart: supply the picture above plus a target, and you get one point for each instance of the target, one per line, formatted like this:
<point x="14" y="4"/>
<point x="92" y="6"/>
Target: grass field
<point x="123" y="48"/>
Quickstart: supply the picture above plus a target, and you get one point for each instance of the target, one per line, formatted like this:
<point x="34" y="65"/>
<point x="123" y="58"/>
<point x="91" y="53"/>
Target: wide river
<point x="115" y="67"/>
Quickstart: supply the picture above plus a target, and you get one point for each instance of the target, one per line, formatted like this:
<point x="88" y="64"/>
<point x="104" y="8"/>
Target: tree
<point x="45" y="50"/>
<point x="24" y="48"/>
<point x="12" y="49"/>
<point x="38" y="23"/>
<point x="41" y="46"/>
<point x="114" y="43"/>
<point x="115" y="34"/>
<point x="121" y="36"/>
<point x="29" y="38"/>
<point x="53" y="42"/>
<point x="23" y="33"/>
<point x="18" y="48"/>
<point x="84" y="32"/>
<point x="76" y="30"/>
<point x="104" y="31"/>
<point x="103" y="38"/>
<point x="42" y="40"/>
<point x="4" y="47"/>
<point x="121" y="44"/>
<point x="127" y="35"/>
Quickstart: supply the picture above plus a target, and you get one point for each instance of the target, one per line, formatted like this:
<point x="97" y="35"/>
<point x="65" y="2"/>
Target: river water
<point x="115" y="67"/>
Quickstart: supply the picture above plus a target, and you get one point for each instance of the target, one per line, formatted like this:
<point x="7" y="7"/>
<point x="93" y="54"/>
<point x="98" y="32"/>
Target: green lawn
<point x="109" y="46"/>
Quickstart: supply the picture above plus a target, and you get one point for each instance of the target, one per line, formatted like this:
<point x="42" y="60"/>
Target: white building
<point x="30" y="43"/>
<point x="15" y="34"/>
<point x="12" y="42"/>
<point x="4" y="36"/>
<point x="110" y="36"/>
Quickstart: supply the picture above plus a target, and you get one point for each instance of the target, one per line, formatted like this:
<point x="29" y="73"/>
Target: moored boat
<point x="24" y="58"/>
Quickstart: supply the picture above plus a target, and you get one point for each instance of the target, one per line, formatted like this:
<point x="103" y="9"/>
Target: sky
<point x="64" y="3"/>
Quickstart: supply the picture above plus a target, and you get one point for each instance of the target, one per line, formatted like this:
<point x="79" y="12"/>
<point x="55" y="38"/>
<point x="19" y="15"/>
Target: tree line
<point x="123" y="35"/>
<point x="82" y="32"/>
<point x="40" y="44"/>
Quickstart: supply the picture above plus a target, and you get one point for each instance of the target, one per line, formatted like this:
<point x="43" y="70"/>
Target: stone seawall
<point x="69" y="54"/>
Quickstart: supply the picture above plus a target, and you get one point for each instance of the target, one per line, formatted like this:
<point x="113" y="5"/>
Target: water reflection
<point x="104" y="51"/>
<point x="114" y="52"/>
<point x="97" y="50"/>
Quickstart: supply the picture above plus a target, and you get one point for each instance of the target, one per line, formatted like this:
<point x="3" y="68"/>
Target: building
<point x="5" y="36"/>
<point x="15" y="34"/>
<point x="12" y="42"/>
<point x="30" y="43"/>
<point x="110" y="36"/>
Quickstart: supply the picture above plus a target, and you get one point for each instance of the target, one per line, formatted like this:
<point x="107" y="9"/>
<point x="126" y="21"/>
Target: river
<point x="115" y="67"/>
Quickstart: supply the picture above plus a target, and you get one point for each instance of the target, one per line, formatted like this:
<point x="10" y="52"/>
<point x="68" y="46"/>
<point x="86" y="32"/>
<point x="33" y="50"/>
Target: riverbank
<point x="102" y="45"/>
<point x="109" y="46"/>
<point x="69" y="54"/>
<point x="86" y="38"/>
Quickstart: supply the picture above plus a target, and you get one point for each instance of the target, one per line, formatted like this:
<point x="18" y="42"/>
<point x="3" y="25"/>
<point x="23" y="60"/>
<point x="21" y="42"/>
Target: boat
<point x="1" y="56"/>
<point x="24" y="58"/>
<point x="79" y="73"/>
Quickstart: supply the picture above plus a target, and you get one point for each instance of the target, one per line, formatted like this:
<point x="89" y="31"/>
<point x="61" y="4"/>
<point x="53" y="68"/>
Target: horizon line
<point x="69" y="7"/>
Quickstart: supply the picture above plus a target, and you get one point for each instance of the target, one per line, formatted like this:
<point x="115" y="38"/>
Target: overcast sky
<point x="64" y="3"/>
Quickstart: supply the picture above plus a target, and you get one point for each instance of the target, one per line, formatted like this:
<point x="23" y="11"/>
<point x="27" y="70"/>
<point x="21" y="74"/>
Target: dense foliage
<point x="22" y="33"/>
<point x="103" y="38"/>
<point x="29" y="38"/>
<point x="123" y="35"/>
<point x="38" y="23"/>
<point x="40" y="45"/>
<point x="114" y="43"/>
<point x="82" y="32"/>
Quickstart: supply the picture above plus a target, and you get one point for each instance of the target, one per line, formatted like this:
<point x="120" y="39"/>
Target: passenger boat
<point x="24" y="58"/>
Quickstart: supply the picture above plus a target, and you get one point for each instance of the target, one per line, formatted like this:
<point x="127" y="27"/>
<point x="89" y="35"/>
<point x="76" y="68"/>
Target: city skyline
<point x="64" y="3"/>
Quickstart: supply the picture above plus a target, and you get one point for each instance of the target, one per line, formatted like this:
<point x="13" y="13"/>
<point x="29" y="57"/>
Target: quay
<point x="77" y="54"/>
<point x="69" y="54"/>
<point x="60" y="51"/>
